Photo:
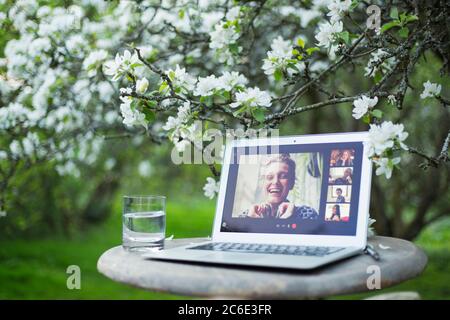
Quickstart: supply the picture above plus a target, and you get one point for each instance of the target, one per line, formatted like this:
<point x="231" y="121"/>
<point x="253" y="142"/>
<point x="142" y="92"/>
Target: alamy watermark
<point x="74" y="279"/>
<point x="373" y="282"/>
<point x="374" y="20"/>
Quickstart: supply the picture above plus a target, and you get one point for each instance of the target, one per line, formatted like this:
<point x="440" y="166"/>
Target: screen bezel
<point x="359" y="240"/>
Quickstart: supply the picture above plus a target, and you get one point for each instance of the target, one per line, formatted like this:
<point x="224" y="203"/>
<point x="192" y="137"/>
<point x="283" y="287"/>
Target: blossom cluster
<point x="383" y="141"/>
<point x="380" y="61"/>
<point x="211" y="187"/>
<point x="70" y="71"/>
<point x="224" y="38"/>
<point x="363" y="105"/>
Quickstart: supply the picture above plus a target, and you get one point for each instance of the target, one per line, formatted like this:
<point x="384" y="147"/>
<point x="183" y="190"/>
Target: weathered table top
<point x="400" y="262"/>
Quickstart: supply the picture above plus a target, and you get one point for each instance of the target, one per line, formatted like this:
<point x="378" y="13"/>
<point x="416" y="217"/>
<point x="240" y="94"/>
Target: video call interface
<point x="294" y="189"/>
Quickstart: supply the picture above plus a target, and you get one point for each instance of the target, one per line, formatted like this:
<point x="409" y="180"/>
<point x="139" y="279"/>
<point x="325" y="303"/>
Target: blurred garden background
<point x="57" y="211"/>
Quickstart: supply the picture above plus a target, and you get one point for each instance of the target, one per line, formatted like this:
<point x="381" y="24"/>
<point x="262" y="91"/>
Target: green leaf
<point x="345" y="36"/>
<point x="240" y="110"/>
<point x="301" y="43"/>
<point x="163" y="87"/>
<point x="149" y="115"/>
<point x="311" y="50"/>
<point x="378" y="76"/>
<point x="354" y="4"/>
<point x="403" y="32"/>
<point x="390" y="25"/>
<point x="377" y="113"/>
<point x="226" y="95"/>
<point x="278" y="75"/>
<point x="172" y="75"/>
<point x="389" y="153"/>
<point x="258" y="114"/>
<point x="207" y="100"/>
<point x="181" y="14"/>
<point x="234" y="48"/>
<point x="411" y="18"/>
<point x="366" y="118"/>
<point x="151" y="104"/>
<point x="394" y="13"/>
<point x="134" y="105"/>
<point x="129" y="78"/>
<point x="295" y="52"/>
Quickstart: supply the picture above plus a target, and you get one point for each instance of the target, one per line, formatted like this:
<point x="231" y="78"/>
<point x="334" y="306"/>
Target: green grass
<point x="36" y="269"/>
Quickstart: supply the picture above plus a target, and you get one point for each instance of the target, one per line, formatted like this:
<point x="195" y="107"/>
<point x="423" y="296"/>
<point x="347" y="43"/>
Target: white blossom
<point x="110" y="163"/>
<point x="430" y="90"/>
<point x="222" y="36"/>
<point x="385" y="136"/>
<point x="93" y="61"/>
<point x="327" y="33"/>
<point x="233" y="13"/>
<point x="131" y="117"/>
<point x="278" y="57"/>
<point x="141" y="85"/>
<point x="183" y="115"/>
<point x="121" y="64"/>
<point x="181" y="79"/>
<point x="211" y="187"/>
<point x="128" y="59"/>
<point x="379" y="61"/>
<point x="185" y="135"/>
<point x="68" y="168"/>
<point x="76" y="44"/>
<point x="392" y="99"/>
<point x="206" y="86"/>
<point x="385" y="166"/>
<point x="184" y="111"/>
<point x="146" y="52"/>
<point x="145" y="169"/>
<point x="113" y="68"/>
<point x="231" y="80"/>
<point x="3" y="154"/>
<point x="171" y="123"/>
<point x="362" y="105"/>
<point x="105" y="91"/>
<point x="337" y="9"/>
<point x="252" y="97"/>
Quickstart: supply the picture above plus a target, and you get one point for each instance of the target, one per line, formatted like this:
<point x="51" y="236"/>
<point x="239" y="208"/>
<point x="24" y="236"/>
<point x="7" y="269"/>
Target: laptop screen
<point x="294" y="189"/>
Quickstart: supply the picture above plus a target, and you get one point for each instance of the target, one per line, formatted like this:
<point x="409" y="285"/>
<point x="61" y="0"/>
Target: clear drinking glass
<point x="144" y="222"/>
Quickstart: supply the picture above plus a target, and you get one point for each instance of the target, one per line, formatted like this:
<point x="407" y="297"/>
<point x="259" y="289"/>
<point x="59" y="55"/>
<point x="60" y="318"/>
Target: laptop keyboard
<point x="268" y="249"/>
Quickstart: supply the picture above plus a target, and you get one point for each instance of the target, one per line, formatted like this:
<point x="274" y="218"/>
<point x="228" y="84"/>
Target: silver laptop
<point x="296" y="202"/>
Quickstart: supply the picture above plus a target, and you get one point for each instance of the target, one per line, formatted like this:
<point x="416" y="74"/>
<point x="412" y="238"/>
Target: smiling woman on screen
<point x="278" y="178"/>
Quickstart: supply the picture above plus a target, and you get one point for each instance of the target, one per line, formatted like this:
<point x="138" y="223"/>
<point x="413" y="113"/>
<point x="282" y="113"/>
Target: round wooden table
<point x="400" y="262"/>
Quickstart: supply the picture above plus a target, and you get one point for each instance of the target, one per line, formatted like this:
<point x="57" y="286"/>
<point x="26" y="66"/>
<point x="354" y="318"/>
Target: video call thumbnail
<point x="337" y="212"/>
<point x="339" y="194"/>
<point x="342" y="158"/>
<point x="342" y="175"/>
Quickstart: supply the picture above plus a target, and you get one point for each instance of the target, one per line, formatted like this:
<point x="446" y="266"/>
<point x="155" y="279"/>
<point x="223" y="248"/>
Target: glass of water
<point x="144" y="222"/>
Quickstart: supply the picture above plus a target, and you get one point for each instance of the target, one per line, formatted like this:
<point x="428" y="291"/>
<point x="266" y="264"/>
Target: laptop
<point x="296" y="202"/>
